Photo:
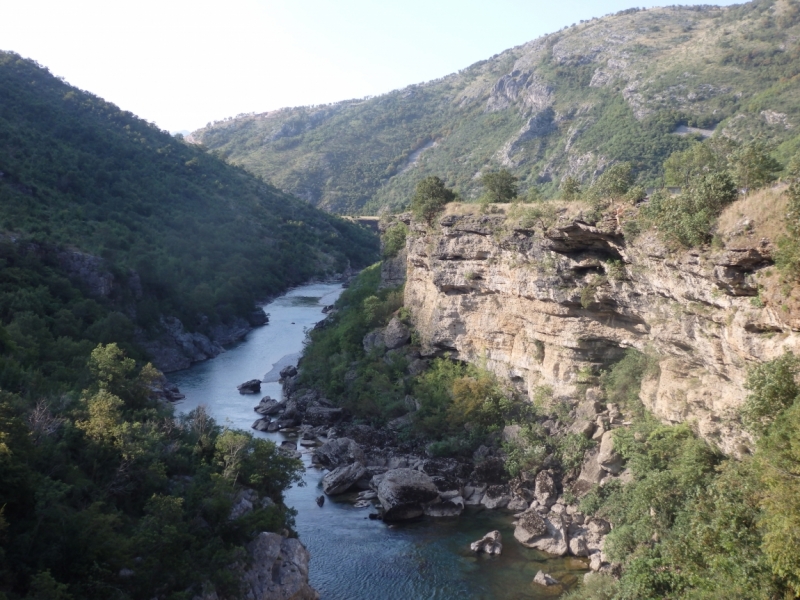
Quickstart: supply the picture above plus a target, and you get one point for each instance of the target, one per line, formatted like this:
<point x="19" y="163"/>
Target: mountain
<point x="634" y="86"/>
<point x="146" y="225"/>
<point x="119" y="244"/>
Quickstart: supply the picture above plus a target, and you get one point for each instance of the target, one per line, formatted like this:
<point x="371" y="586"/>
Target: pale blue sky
<point x="182" y="63"/>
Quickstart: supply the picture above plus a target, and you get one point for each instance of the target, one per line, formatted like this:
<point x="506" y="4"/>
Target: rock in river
<point x="342" y="478"/>
<point x="491" y="543"/>
<point x="403" y="492"/>
<point x="250" y="387"/>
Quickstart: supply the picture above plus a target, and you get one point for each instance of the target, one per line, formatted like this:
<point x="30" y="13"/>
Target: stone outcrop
<point x="342" y="478"/>
<point x="491" y="543"/>
<point x="404" y="492"/>
<point x="279" y="569"/>
<point x="545" y="303"/>
<point x="252" y="386"/>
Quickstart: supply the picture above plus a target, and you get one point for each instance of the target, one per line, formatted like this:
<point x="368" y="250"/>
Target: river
<point x="353" y="557"/>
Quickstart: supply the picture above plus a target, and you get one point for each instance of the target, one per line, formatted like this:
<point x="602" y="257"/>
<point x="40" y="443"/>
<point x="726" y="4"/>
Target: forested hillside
<point x="110" y="228"/>
<point x="635" y="86"/>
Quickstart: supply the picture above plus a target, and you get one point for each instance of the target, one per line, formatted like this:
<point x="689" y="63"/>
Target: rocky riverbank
<point x="401" y="480"/>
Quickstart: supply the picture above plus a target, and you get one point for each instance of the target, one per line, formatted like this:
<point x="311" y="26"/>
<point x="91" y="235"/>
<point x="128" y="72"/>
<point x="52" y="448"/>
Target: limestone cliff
<point x="551" y="304"/>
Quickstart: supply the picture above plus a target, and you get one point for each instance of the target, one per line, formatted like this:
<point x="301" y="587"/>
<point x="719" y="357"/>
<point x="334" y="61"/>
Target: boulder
<point x="473" y="495"/>
<point x="491" y="471"/>
<point x="578" y="545"/>
<point x="396" y="334"/>
<point x="268" y="406"/>
<point x="591" y="474"/>
<point x="338" y="452"/>
<point x="583" y="427"/>
<point x="544" y="579"/>
<point x="342" y="478"/>
<point x="547" y="534"/>
<point x="400" y="422"/>
<point x="288" y="371"/>
<point x="373" y="341"/>
<point x="261" y="425"/>
<point x="491" y="543"/>
<point x="243" y="503"/>
<point x="517" y="503"/>
<point x="607" y="458"/>
<point x="250" y="387"/>
<point x="446" y="508"/>
<point x="318" y="416"/>
<point x="496" y="496"/>
<point x="529" y="527"/>
<point x="278" y="570"/>
<point x="545" y="491"/>
<point x="402" y="493"/>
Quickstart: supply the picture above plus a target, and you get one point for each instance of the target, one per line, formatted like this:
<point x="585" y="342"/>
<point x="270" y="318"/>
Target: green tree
<point x="570" y="188"/>
<point x="534" y="194"/>
<point x="500" y="186"/>
<point x="753" y="167"/>
<point x="430" y="198"/>
<point x="614" y="182"/>
<point x="684" y="167"/>
<point x="772" y="389"/>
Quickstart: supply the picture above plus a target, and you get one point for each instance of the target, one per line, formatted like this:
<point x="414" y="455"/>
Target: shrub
<point x="394" y="239"/>
<point x="430" y="198"/>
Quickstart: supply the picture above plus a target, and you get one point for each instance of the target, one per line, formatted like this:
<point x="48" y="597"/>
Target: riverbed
<point x="353" y="557"/>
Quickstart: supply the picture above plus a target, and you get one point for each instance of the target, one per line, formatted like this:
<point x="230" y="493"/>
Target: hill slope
<point x="150" y="226"/>
<point x="625" y="87"/>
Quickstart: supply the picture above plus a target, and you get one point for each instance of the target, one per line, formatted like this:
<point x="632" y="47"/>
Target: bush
<point x="394" y="239"/>
<point x="687" y="219"/>
<point x="773" y="389"/>
<point x="430" y="198"/>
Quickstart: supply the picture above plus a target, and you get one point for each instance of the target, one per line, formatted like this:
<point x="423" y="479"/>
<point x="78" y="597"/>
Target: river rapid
<point x="353" y="557"/>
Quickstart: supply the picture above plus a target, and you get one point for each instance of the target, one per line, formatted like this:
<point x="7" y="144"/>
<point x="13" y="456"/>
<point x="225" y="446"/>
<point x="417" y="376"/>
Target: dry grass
<point x="565" y="210"/>
<point x="766" y="212"/>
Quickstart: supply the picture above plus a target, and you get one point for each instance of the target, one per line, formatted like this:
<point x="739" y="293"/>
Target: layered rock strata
<point x="549" y="305"/>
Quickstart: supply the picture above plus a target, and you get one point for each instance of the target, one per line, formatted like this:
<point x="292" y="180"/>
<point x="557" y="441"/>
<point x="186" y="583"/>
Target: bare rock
<point x="319" y="416"/>
<point x="250" y="387"/>
<point x="591" y="474"/>
<point x="403" y="492"/>
<point x="279" y="569"/>
<point x="269" y="406"/>
<point x="607" y="458"/>
<point x="545" y="491"/>
<point x="451" y="507"/>
<point x="342" y="478"/>
<point x="396" y="334"/>
<point x="496" y="496"/>
<point x="544" y="579"/>
<point x="491" y="543"/>
<point x="547" y="534"/>
<point x="338" y="452"/>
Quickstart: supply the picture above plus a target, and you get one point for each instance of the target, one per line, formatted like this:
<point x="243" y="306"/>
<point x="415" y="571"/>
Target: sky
<point x="184" y="63"/>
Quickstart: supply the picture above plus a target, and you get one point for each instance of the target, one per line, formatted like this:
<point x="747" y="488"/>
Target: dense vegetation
<point x="106" y="224"/>
<point x="105" y="495"/>
<point x="205" y="238"/>
<point x="693" y="523"/>
<point x="567" y="105"/>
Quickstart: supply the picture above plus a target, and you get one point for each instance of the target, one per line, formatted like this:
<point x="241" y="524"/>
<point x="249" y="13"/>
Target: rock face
<point x="279" y="570"/>
<point x="403" y="492"/>
<point x="541" y="305"/>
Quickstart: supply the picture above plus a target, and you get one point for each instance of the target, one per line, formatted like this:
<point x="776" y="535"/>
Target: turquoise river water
<point x="353" y="557"/>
